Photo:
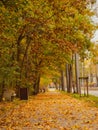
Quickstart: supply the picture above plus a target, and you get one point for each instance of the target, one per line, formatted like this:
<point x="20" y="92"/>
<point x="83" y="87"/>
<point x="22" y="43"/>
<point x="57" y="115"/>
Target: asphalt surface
<point x="92" y="91"/>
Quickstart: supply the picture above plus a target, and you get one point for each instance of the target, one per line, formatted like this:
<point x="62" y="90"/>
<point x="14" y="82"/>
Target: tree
<point x="40" y="34"/>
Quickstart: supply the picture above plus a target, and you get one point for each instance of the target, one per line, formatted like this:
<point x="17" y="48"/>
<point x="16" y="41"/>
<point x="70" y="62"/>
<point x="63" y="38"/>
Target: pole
<point x="77" y="72"/>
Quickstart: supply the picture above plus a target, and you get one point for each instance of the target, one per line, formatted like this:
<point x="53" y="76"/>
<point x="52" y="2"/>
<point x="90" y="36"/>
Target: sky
<point x="95" y="37"/>
<point x="95" y="19"/>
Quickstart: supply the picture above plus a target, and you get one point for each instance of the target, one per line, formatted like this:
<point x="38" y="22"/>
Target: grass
<point x="92" y="100"/>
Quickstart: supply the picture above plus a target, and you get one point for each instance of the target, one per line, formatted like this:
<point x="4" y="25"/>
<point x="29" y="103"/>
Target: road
<point x="91" y="91"/>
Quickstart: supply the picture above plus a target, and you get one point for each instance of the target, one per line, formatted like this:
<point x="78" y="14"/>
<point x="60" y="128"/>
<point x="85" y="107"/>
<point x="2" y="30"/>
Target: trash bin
<point x="23" y="93"/>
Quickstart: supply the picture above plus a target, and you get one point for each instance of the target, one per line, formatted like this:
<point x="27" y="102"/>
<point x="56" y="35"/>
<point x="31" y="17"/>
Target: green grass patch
<point x="92" y="100"/>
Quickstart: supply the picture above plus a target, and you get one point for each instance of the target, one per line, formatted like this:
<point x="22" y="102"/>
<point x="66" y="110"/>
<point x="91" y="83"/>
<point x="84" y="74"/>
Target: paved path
<point x="51" y="111"/>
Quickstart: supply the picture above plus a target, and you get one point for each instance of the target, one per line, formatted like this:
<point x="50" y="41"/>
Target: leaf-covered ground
<point x="51" y="111"/>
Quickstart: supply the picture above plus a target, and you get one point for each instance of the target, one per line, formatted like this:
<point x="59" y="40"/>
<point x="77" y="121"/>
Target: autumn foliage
<point x="35" y="35"/>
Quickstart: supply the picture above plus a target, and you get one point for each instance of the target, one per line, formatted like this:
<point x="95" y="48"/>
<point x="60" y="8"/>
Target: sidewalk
<point x="51" y="111"/>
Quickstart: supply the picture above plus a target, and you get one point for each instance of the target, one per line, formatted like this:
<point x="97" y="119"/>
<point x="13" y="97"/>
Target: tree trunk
<point x="25" y="56"/>
<point x="2" y="86"/>
<point x="77" y="72"/>
<point x="21" y="36"/>
<point x="36" y="85"/>
<point x="97" y="75"/>
<point x="69" y="77"/>
<point x="56" y="84"/>
<point x="62" y="80"/>
<point x="97" y="81"/>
